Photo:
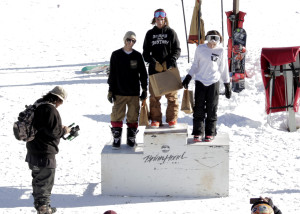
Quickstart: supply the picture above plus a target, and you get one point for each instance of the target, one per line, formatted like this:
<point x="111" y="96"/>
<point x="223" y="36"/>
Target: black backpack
<point x="23" y="128"/>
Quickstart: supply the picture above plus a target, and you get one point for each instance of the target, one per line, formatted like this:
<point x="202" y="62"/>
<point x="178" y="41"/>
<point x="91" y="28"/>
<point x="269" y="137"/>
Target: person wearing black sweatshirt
<point x="127" y="74"/>
<point x="42" y="149"/>
<point x="161" y="49"/>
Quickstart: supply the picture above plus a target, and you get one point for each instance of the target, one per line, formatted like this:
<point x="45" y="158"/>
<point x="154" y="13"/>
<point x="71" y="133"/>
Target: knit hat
<point x="129" y="35"/>
<point x="110" y="212"/>
<point x="60" y="92"/>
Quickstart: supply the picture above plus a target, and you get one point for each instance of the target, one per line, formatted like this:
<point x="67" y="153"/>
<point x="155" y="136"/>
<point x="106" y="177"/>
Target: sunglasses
<point x="215" y="38"/>
<point x="160" y="14"/>
<point x="130" y="40"/>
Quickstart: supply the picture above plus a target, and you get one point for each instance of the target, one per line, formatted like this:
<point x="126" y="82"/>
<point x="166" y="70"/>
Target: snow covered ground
<point x="46" y="43"/>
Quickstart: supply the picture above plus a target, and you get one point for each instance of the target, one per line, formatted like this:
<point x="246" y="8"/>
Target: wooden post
<point x="236" y="6"/>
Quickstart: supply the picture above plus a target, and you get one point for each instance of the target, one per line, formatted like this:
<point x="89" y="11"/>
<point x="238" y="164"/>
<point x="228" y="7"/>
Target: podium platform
<point x="167" y="163"/>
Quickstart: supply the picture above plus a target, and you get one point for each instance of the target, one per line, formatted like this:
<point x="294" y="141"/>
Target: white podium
<point x="168" y="163"/>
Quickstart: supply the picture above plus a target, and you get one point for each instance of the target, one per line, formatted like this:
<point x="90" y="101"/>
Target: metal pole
<point x="199" y="23"/>
<point x="236" y="6"/>
<point x="222" y="21"/>
<point x="289" y="90"/>
<point x="186" y="37"/>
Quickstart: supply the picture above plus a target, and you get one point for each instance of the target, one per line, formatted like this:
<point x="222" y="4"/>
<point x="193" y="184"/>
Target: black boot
<point x="131" y="134"/>
<point x="117" y="134"/>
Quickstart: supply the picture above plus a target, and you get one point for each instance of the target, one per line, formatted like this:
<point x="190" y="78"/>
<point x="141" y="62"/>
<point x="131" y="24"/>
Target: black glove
<point x="275" y="209"/>
<point x="152" y="61"/>
<point x="186" y="81"/>
<point x="171" y="63"/>
<point x="270" y="202"/>
<point x="227" y="90"/>
<point x="111" y="97"/>
<point x="143" y="95"/>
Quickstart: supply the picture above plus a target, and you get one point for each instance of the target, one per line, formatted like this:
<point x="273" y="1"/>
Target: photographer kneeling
<point x="263" y="206"/>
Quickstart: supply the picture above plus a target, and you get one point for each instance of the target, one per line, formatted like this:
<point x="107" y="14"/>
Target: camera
<point x="73" y="133"/>
<point x="254" y="200"/>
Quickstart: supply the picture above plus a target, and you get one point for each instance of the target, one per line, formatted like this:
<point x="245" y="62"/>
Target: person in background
<point x="209" y="66"/>
<point x="161" y="49"/>
<point x="109" y="212"/>
<point x="264" y="206"/>
<point x="127" y="74"/>
<point x="41" y="151"/>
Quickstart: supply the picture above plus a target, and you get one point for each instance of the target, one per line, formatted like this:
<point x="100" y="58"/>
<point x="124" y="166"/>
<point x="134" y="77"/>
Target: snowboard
<point x="238" y="59"/>
<point x="96" y="69"/>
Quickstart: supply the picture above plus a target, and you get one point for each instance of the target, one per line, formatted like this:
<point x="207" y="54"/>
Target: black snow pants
<point x="42" y="184"/>
<point x="205" y="109"/>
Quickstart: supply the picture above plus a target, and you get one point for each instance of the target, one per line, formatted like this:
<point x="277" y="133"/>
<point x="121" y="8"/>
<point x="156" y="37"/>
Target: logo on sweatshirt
<point x="214" y="57"/>
<point x="160" y="39"/>
<point x="133" y="64"/>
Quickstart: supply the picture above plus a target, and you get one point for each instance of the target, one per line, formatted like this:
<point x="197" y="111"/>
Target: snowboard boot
<point x="198" y="138"/>
<point x="131" y="135"/>
<point x="209" y="138"/>
<point x="117" y="134"/>
<point x="45" y="209"/>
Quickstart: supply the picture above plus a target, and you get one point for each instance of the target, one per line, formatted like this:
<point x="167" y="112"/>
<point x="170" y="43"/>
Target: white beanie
<point x="129" y="35"/>
<point x="60" y="92"/>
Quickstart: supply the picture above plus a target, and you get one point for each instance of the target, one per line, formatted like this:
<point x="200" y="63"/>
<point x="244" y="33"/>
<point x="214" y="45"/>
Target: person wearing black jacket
<point x="264" y="206"/>
<point x="42" y="149"/>
<point x="127" y="74"/>
<point x="161" y="49"/>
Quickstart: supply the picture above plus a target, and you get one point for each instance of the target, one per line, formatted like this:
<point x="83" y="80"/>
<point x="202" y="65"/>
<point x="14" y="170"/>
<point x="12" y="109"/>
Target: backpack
<point x="23" y="128"/>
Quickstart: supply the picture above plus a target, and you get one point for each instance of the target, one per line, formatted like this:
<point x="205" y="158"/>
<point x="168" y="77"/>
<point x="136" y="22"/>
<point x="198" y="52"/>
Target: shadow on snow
<point x="88" y="199"/>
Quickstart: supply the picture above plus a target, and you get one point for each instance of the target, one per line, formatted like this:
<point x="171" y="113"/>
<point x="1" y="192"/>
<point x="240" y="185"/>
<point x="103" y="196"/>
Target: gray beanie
<point x="129" y="35"/>
<point x="60" y="92"/>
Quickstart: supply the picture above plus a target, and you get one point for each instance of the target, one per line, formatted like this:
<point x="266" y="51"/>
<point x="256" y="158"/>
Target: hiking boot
<point x="172" y="124"/>
<point x="117" y="134"/>
<point x="198" y="138"/>
<point x="45" y="209"/>
<point x="209" y="138"/>
<point x="131" y="134"/>
<point x="155" y="124"/>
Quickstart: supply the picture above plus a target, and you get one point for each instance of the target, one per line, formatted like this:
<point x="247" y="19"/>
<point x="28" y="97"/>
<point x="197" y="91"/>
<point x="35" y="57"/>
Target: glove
<point x="186" y="81"/>
<point x="111" y="97"/>
<point x="270" y="202"/>
<point x="171" y="63"/>
<point x="143" y="95"/>
<point x="227" y="90"/>
<point x="158" y="67"/>
<point x="275" y="209"/>
<point x="164" y="65"/>
<point x="152" y="60"/>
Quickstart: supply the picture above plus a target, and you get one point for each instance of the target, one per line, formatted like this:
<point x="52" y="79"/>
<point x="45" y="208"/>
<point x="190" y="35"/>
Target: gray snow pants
<point x="42" y="184"/>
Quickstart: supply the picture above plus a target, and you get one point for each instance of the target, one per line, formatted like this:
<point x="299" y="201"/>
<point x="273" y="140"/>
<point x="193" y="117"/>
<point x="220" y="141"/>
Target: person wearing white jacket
<point x="209" y="66"/>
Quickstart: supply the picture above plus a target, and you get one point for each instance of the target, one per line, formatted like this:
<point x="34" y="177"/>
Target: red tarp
<point x="239" y="20"/>
<point x="278" y="57"/>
